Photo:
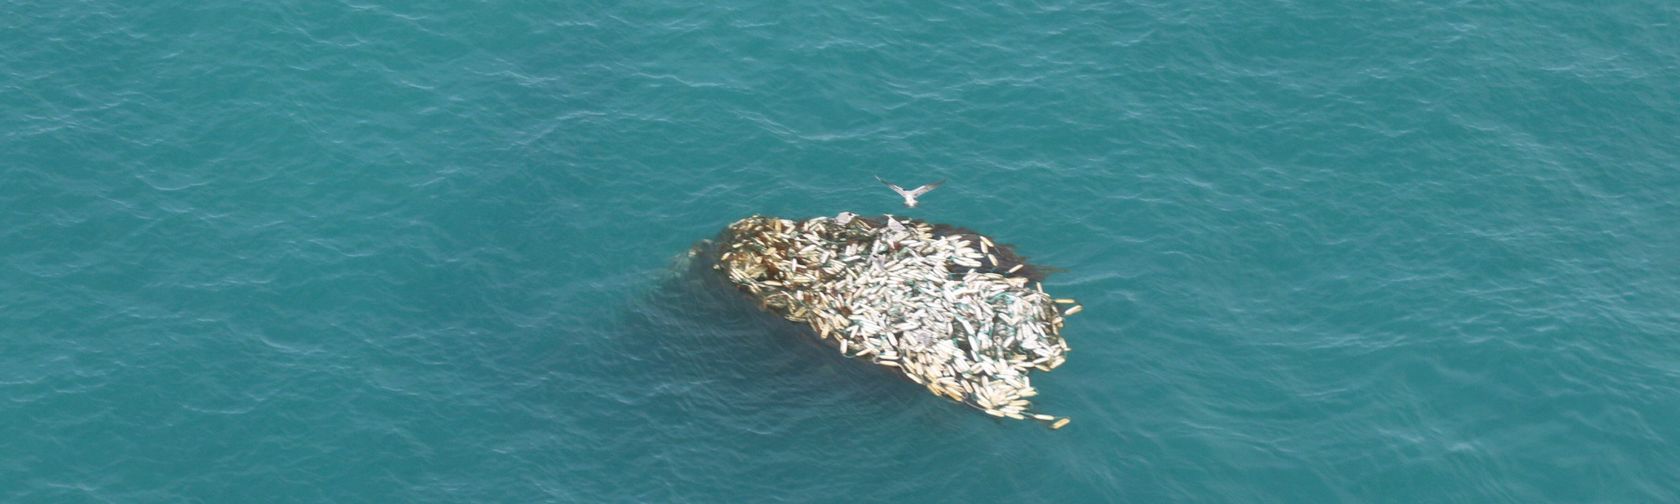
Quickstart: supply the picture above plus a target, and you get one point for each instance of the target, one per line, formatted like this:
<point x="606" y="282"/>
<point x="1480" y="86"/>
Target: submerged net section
<point x="947" y="307"/>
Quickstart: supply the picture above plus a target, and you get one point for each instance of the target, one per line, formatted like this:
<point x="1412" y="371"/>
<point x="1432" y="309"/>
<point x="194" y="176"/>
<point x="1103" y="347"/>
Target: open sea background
<point x="428" y="251"/>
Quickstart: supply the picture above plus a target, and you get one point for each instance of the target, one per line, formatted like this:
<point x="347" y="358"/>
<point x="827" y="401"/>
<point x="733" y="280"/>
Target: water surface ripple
<point x="430" y="252"/>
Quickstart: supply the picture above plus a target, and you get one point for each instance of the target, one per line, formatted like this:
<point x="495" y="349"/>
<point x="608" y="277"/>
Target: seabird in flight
<point x="910" y="196"/>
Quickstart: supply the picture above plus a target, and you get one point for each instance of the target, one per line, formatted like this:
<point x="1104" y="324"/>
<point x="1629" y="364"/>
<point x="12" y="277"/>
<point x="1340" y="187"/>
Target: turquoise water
<point x="430" y="252"/>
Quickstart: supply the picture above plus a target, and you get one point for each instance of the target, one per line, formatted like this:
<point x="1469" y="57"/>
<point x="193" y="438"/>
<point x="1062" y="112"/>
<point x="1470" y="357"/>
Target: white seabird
<point x="910" y="196"/>
<point x="893" y="225"/>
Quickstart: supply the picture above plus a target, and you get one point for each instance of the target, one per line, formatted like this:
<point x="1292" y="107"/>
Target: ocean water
<point x="432" y="251"/>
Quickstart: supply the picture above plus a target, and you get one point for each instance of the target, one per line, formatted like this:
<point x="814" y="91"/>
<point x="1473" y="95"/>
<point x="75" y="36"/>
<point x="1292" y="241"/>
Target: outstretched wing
<point x="894" y="187"/>
<point x="924" y="189"/>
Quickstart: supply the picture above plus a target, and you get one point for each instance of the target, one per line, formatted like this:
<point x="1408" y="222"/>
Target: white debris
<point x="906" y="297"/>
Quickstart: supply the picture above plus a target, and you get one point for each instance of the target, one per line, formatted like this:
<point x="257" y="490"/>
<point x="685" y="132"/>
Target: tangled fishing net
<point x="948" y="308"/>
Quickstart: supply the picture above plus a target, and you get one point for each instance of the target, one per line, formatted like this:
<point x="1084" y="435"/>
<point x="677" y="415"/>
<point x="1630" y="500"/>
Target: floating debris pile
<point x="949" y="308"/>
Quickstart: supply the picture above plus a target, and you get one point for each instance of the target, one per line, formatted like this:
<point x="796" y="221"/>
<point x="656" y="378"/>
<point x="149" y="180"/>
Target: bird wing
<point x="924" y="189"/>
<point x="895" y="187"/>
